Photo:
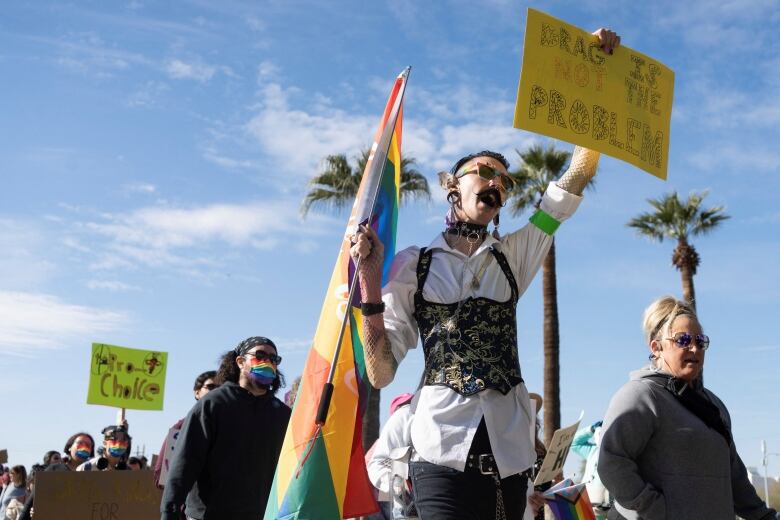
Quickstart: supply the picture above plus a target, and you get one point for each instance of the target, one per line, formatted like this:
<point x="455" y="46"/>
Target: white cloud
<point x="188" y="239"/>
<point x="21" y="263"/>
<point x="198" y="71"/>
<point x="141" y="187"/>
<point x="111" y="285"/>
<point x="299" y="140"/>
<point x="33" y="321"/>
<point x="266" y="70"/>
<point x="88" y="53"/>
<point x="451" y="123"/>
<point x="213" y="156"/>
<point x="147" y="95"/>
<point x="735" y="158"/>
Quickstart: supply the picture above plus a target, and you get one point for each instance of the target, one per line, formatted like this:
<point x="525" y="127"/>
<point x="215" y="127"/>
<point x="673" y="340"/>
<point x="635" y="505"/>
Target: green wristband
<point x="544" y="222"/>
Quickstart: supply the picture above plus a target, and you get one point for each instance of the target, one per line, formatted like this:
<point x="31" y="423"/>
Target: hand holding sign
<point x="594" y="93"/>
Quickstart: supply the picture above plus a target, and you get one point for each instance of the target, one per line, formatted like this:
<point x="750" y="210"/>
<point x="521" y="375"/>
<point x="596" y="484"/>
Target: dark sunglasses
<point x="684" y="340"/>
<point x="489" y="173"/>
<point x="210" y="386"/>
<point x="262" y="355"/>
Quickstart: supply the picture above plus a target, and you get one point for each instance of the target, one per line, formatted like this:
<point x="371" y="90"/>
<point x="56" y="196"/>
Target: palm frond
<point x="539" y="166"/>
<point x="678" y="219"/>
<point x="338" y="183"/>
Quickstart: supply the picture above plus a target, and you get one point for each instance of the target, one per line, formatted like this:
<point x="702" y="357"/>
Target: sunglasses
<point x="684" y="340"/>
<point x="210" y="386"/>
<point x="262" y="355"/>
<point x="489" y="173"/>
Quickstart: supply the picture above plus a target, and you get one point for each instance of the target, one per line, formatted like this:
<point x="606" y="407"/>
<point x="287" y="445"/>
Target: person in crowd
<point x="79" y="448"/>
<point x="667" y="451"/>
<point x="535" y="500"/>
<point x="586" y="444"/>
<point x="117" y="444"/>
<point x="204" y="383"/>
<point x="5" y="478"/>
<point x="229" y="444"/>
<point x="471" y="429"/>
<point x="52" y="457"/>
<point x="292" y="393"/>
<point x="135" y="464"/>
<point x="388" y="467"/>
<point x="16" y="490"/>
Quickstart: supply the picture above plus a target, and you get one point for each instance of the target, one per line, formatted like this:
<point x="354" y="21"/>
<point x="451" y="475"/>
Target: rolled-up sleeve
<point x="527" y="247"/>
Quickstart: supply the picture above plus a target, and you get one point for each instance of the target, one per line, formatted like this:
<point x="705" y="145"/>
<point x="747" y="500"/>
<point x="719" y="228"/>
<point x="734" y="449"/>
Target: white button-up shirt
<point x="445" y="421"/>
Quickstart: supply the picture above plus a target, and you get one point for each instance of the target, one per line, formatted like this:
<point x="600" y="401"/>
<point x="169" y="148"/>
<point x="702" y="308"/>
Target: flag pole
<point x="378" y="162"/>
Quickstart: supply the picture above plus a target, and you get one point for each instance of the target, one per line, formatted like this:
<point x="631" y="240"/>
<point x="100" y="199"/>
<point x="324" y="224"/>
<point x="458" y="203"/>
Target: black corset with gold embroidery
<point x="472" y="348"/>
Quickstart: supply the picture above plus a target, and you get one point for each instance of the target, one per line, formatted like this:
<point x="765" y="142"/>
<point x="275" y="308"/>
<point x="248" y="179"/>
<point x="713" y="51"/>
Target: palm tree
<point x="539" y="167"/>
<point x="335" y="187"/>
<point x="676" y="219"/>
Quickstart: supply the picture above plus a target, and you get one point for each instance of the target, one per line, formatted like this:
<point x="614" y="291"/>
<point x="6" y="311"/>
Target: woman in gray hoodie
<point x="667" y="450"/>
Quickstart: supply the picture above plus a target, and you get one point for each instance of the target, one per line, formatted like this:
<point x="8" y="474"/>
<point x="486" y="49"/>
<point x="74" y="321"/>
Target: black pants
<point x="442" y="493"/>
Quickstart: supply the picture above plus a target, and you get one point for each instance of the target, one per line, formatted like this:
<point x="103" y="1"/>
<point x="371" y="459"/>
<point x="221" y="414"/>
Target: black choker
<point x="467" y="229"/>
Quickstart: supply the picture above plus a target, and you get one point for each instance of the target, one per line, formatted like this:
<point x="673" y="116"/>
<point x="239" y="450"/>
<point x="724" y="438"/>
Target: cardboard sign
<point x="127" y="377"/>
<point x="557" y="452"/>
<point x="619" y="104"/>
<point x="170" y="447"/>
<point x="3" y="456"/>
<point x="96" y="495"/>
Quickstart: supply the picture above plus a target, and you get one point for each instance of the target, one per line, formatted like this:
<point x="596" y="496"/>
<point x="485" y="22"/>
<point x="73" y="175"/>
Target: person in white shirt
<point x="388" y="466"/>
<point x="472" y="428"/>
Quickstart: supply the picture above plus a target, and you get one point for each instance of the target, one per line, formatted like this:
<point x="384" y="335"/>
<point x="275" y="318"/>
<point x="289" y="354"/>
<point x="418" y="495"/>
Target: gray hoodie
<point x="660" y="461"/>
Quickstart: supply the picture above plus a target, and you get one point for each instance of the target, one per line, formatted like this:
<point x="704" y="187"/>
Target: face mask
<point x="263" y="372"/>
<point x="116" y="449"/>
<point x="82" y="453"/>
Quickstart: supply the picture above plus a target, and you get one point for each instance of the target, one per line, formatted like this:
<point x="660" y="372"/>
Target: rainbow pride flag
<point x="569" y="501"/>
<point x="322" y="472"/>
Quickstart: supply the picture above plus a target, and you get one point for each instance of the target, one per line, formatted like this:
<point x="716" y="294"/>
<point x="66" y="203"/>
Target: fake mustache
<point x="490" y="196"/>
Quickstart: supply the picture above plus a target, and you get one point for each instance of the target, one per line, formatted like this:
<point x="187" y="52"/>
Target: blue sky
<point x="155" y="155"/>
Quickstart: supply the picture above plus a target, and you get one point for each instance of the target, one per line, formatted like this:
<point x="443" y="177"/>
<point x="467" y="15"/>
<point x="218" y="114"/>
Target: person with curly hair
<point x="229" y="444"/>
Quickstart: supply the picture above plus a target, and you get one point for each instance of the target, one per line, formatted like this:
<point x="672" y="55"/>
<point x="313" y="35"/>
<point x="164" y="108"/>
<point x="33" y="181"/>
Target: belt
<point x="485" y="463"/>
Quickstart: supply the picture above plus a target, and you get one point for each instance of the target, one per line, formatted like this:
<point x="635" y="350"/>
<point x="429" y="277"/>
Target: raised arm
<point x="380" y="362"/>
<point x="584" y="161"/>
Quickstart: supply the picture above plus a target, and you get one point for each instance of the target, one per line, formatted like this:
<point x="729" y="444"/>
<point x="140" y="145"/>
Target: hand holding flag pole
<point x="365" y="214"/>
<point x="366" y="206"/>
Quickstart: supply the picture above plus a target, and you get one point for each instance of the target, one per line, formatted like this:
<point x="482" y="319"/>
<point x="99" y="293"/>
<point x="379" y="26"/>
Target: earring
<point x="496" y="235"/>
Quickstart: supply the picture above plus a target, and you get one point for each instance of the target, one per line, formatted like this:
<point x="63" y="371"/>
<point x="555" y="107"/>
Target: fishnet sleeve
<point x="380" y="362"/>
<point x="581" y="170"/>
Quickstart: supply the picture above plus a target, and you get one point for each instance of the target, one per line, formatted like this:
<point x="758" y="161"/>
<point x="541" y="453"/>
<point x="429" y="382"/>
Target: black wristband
<point x="369" y="309"/>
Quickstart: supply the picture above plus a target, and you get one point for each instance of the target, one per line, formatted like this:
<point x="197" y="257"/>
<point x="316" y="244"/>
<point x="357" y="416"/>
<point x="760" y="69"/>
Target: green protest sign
<point x="127" y="377"/>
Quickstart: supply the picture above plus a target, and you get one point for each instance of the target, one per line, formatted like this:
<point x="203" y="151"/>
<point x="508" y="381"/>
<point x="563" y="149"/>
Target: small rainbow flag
<point x="321" y="472"/>
<point x="568" y="501"/>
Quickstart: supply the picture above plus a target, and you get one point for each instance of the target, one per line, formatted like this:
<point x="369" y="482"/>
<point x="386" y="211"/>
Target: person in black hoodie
<point x="230" y="441"/>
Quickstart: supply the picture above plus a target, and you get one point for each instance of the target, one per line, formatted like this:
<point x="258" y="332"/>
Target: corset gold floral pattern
<point x="472" y="348"/>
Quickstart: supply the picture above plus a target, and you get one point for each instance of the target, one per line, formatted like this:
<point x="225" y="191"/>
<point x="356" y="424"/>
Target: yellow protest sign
<point x="619" y="104"/>
<point x="127" y="377"/>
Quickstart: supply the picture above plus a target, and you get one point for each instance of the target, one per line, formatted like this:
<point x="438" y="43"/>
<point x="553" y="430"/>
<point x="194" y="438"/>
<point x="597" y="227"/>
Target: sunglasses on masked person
<point x="262" y="355"/>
